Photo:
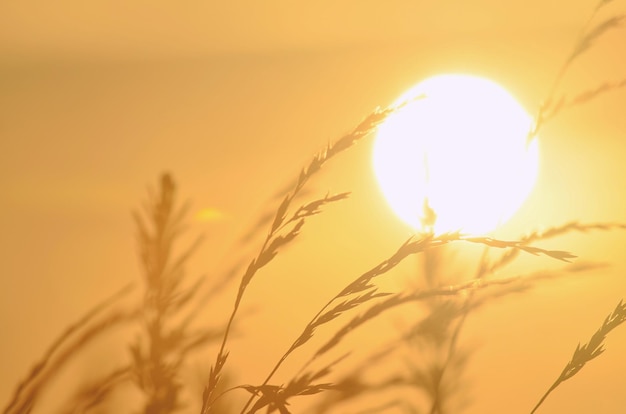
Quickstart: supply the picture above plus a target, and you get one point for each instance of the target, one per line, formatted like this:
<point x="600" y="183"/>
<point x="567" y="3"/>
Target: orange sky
<point x="114" y="28"/>
<point x="98" y="98"/>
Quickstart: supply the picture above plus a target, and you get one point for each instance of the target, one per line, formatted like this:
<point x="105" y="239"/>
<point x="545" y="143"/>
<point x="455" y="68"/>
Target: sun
<point x="458" y="148"/>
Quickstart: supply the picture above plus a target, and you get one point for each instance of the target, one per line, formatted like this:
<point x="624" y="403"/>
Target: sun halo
<point x="460" y="144"/>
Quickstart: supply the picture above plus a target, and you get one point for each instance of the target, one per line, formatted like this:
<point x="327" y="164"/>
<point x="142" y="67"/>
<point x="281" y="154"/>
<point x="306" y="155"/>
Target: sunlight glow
<point x="210" y="214"/>
<point x="462" y="146"/>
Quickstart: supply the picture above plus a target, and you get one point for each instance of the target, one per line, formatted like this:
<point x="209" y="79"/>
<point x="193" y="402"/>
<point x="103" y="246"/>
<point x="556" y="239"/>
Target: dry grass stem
<point x="588" y="351"/>
<point x="92" y="394"/>
<point x="364" y="284"/>
<point x="274" y="241"/>
<point x="573" y="226"/>
<point x="432" y="356"/>
<point x="48" y="357"/>
<point x="159" y="356"/>
<point x="71" y="349"/>
<point x="588" y="36"/>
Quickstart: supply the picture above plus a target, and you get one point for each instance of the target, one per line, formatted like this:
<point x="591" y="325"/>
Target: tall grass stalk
<point x="165" y="317"/>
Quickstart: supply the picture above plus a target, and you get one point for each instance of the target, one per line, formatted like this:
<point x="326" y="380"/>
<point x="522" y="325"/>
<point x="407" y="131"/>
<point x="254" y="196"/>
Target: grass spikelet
<point x="411" y="246"/>
<point x="84" y="323"/>
<point x="30" y="393"/>
<point x="95" y="392"/>
<point x="586" y="41"/>
<point x="213" y="383"/>
<point x="421" y="295"/>
<point x="552" y="105"/>
<point x="361" y="284"/>
<point x="158" y="357"/>
<point x="588" y="95"/>
<point x="275" y="397"/>
<point x="432" y="358"/>
<point x="359" y="320"/>
<point x="555" y="231"/>
<point x="273" y="241"/>
<point x="314" y="207"/>
<point x="589" y="351"/>
<point x="537" y="251"/>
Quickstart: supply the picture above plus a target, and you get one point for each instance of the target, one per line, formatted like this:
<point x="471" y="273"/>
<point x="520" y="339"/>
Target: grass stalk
<point x="587" y="352"/>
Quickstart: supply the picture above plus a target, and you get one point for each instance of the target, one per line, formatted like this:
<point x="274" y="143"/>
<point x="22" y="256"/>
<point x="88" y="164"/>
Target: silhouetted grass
<point x="588" y="351"/>
<point x="166" y="332"/>
<point x="65" y="347"/>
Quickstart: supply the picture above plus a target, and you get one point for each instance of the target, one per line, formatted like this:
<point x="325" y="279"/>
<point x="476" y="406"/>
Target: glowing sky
<point x="97" y="98"/>
<point x="193" y="27"/>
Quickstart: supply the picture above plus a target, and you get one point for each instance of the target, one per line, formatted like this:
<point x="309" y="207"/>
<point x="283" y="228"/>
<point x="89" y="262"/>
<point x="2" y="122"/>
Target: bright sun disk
<point x="461" y="144"/>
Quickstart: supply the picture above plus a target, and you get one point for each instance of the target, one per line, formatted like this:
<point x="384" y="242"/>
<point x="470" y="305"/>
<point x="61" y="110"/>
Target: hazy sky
<point x="98" y="98"/>
<point x="32" y="28"/>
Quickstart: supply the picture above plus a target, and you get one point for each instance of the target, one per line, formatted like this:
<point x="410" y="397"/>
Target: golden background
<point x="97" y="98"/>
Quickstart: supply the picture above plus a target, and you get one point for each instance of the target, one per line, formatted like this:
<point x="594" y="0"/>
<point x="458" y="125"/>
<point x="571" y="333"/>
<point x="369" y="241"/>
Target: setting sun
<point x="222" y="207"/>
<point x="459" y="144"/>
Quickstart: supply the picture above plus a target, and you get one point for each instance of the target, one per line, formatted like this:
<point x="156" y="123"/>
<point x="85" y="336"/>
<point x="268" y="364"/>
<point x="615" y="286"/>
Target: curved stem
<point x="544" y="397"/>
<point x="288" y="352"/>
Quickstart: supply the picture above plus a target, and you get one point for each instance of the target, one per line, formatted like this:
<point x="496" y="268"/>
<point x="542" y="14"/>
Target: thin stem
<point x="293" y="346"/>
<point x="38" y="368"/>
<point x="361" y="130"/>
<point x="482" y="266"/>
<point x="552" y="388"/>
